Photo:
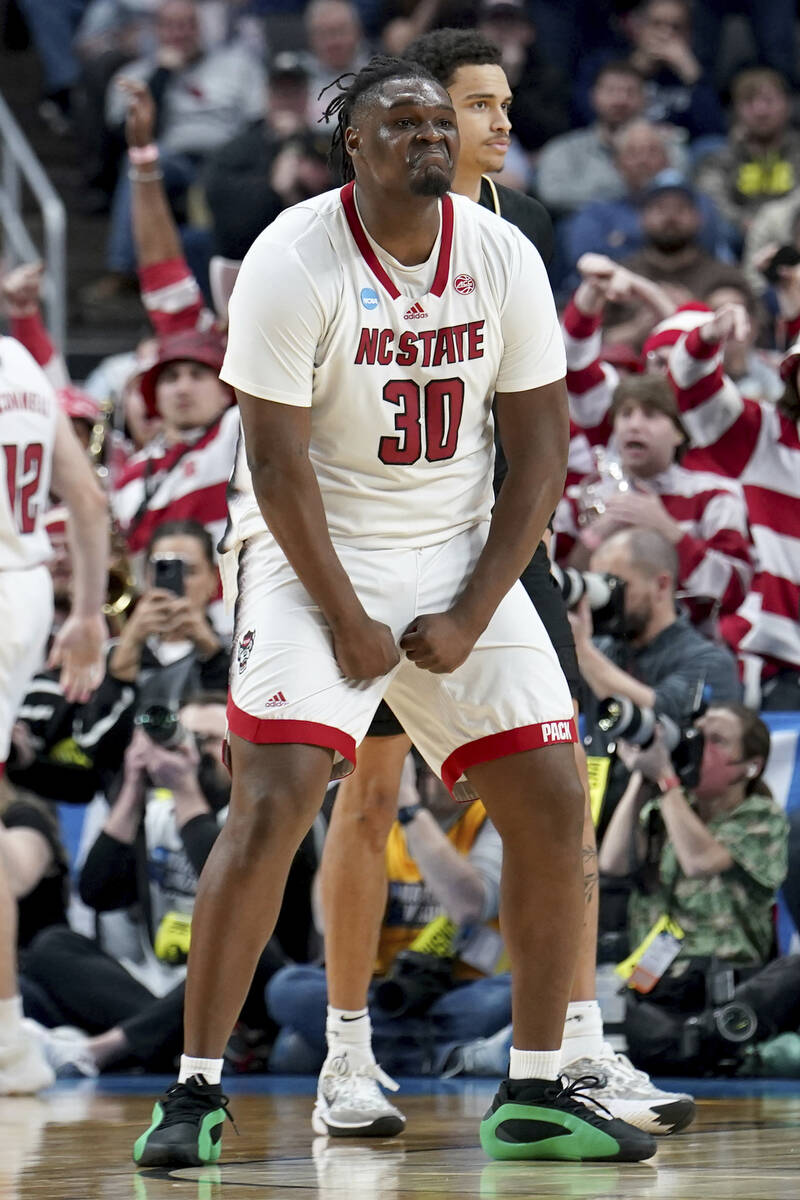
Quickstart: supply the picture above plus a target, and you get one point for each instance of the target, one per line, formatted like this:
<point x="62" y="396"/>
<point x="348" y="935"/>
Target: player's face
<point x="189" y="394"/>
<point x="482" y="99"/>
<point x="405" y="139"/>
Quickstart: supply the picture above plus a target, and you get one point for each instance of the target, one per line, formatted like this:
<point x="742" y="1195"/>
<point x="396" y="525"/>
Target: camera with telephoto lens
<point x="161" y="691"/>
<point x="718" y="1035"/>
<point x="421" y="973"/>
<point x="413" y="983"/>
<point x="605" y="593"/>
<point x="621" y="718"/>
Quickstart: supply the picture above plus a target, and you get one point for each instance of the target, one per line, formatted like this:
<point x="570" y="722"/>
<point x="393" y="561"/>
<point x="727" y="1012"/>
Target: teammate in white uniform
<point x="39" y="452"/>
<point x="369" y="330"/>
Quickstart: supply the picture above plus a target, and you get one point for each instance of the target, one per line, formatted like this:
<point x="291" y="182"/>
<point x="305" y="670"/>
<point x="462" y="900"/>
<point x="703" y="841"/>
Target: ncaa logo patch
<point x="244" y="649"/>
<point x="464" y="285"/>
<point x="369" y="298"/>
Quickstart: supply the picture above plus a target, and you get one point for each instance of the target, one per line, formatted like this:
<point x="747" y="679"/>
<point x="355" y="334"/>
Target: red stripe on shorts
<point x="305" y="733"/>
<point x="500" y="745"/>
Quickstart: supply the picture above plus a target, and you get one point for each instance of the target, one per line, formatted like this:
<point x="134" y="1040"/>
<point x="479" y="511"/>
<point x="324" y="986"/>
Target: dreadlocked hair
<point x="371" y="77"/>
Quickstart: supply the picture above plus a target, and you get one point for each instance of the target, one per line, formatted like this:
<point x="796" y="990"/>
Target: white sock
<point x="583" y="1031"/>
<point x="209" y="1068"/>
<point x="10" y="1018"/>
<point x="534" y="1064"/>
<point x="350" y="1028"/>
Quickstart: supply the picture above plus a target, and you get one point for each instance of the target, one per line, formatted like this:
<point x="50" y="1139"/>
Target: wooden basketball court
<point x="74" y="1143"/>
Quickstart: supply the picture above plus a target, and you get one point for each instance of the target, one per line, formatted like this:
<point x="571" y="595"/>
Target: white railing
<point x="17" y="163"/>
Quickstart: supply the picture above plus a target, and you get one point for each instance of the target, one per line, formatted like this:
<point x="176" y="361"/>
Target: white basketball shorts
<point x="26" y="615"/>
<point x="286" y="686"/>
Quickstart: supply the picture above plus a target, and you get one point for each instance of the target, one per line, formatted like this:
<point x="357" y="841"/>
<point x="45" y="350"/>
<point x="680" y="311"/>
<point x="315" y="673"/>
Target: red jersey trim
<point x="500" y="745"/>
<point x="371" y="258"/>
<point x="307" y="733"/>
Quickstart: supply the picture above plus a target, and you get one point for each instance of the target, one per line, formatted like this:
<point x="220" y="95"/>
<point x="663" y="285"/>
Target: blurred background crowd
<point x="663" y="138"/>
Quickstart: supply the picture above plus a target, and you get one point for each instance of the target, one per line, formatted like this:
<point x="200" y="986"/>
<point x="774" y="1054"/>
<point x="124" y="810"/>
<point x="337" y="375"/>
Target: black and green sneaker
<point x="546" y="1119"/>
<point x="186" y="1129"/>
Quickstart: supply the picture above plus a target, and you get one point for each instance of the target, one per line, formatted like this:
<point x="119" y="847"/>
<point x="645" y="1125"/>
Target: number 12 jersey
<point x="398" y="364"/>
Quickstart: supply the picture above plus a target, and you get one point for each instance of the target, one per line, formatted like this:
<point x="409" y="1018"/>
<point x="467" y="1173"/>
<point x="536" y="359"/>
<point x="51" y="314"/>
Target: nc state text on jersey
<point x="421" y="347"/>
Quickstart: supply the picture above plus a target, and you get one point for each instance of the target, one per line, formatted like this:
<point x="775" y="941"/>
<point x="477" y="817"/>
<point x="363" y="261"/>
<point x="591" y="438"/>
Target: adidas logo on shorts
<point x="277" y="700"/>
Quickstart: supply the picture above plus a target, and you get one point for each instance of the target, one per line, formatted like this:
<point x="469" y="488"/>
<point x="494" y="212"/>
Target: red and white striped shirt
<point x="713" y="554"/>
<point x="172" y="297"/>
<point x="759" y="446"/>
<point x="590" y="382"/>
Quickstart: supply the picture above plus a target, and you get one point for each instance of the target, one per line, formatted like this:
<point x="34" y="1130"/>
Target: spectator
<point x="443" y="864"/>
<point x="335" y="38"/>
<point x="754" y="372"/>
<point x="183" y="472"/>
<point x="642" y="152"/>
<point x="578" y="167"/>
<point x="701" y="514"/>
<point x="677" y="91"/>
<point x="202" y="98"/>
<point x="133" y="1012"/>
<point x="773" y="28"/>
<point x="659" y="659"/>
<point x="761" y="158"/>
<point x="711" y="856"/>
<point x="757" y="444"/>
<point x="777" y="223"/>
<point x="278" y="161"/>
<point x="672" y="253"/>
<point x="541" y="98"/>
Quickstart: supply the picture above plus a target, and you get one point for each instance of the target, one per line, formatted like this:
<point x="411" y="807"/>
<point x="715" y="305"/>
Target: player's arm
<point x="79" y="646"/>
<point x="286" y="488"/>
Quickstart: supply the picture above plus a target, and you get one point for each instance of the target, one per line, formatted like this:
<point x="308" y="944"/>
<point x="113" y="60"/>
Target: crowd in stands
<point x="671" y="173"/>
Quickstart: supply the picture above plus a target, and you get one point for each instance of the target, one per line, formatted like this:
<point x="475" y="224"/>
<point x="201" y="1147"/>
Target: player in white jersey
<point x="39" y="453"/>
<point x="369" y="331"/>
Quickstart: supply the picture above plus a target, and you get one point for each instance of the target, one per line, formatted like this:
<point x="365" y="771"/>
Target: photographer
<point x="658" y="661"/>
<point x="443" y="864"/>
<point x="167" y="648"/>
<point x="710" y="857"/>
<point x="145" y="860"/>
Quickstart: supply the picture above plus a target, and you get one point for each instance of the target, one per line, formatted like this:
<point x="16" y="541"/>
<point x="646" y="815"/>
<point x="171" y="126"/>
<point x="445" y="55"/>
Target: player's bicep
<point x="534" y="429"/>
<point x="276" y="436"/>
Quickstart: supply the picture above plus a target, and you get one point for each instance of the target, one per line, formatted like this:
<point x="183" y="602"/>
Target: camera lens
<point x="735" y="1022"/>
<point x="160" y="723"/>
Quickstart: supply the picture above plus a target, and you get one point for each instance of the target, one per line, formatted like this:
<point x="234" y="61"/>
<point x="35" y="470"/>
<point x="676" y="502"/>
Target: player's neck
<point x="405" y="227"/>
<point x="467" y="181"/>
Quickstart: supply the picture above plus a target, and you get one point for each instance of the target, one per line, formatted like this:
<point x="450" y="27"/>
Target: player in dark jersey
<point x="469" y="67"/>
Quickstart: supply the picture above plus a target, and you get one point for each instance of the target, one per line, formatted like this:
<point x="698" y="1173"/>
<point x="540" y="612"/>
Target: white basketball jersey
<point x="28" y="415"/>
<point x="399" y="364"/>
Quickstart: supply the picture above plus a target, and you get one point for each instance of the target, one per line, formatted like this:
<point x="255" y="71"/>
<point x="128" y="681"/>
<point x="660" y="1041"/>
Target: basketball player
<point x="350" y="1102"/>
<point x="370" y="329"/>
<point x="40" y="453"/>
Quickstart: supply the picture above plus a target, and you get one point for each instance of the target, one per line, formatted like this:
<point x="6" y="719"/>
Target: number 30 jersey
<point x="398" y="364"/>
<point x="28" y="418"/>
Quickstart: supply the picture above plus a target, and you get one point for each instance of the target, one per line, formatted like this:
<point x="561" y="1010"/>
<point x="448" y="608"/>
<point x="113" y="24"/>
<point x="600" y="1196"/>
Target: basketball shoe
<point x="350" y="1102"/>
<point x="549" y="1120"/>
<point x="186" y="1129"/>
<point x="631" y="1095"/>
<point x="23" y="1066"/>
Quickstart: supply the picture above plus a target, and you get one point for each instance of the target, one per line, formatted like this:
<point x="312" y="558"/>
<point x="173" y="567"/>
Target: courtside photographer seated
<point x="113" y="1009"/>
<point x="658" y="664"/>
<point x="702" y="847"/>
<point x="167" y="648"/>
<point x="435" y="978"/>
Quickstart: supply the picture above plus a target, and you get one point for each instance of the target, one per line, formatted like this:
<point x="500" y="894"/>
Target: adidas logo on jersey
<point x="415" y="313"/>
<point x="277" y="700"/>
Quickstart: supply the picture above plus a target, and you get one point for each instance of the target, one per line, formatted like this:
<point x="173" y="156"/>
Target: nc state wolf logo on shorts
<point x="244" y="649"/>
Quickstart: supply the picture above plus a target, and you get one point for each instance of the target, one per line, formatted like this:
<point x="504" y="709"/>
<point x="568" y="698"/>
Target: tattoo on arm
<point x="589" y="855"/>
